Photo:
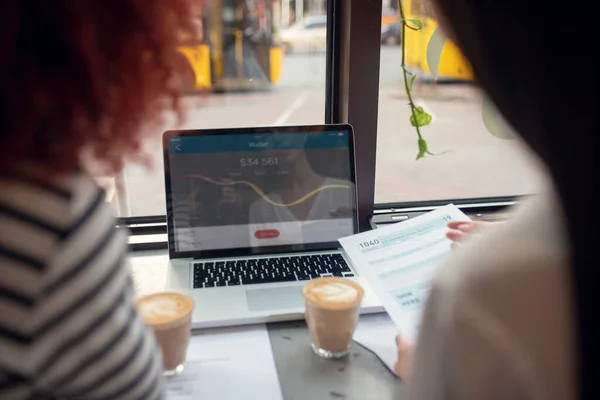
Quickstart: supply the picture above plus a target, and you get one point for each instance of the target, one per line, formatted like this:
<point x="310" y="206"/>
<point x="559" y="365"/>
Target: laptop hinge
<point x="267" y="255"/>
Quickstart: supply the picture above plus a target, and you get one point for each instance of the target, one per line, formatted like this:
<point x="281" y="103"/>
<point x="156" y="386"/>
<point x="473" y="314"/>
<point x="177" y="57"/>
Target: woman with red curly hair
<point x="78" y="80"/>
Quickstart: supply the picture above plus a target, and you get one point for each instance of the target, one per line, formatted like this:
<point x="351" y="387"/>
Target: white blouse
<point x="499" y="322"/>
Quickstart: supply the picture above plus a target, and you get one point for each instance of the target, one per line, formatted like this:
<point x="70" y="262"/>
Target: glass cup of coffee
<point x="170" y="317"/>
<point x="332" y="306"/>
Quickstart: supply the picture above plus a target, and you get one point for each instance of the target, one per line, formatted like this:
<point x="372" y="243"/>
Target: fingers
<point x="461" y="230"/>
<point x="466" y="226"/>
<point x="399" y="369"/>
<point x="401" y="366"/>
<point x="403" y="345"/>
<point x="455" y="236"/>
<point x="456" y="224"/>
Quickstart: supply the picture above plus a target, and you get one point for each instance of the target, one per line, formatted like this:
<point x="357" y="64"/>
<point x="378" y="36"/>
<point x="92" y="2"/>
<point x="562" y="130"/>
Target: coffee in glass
<point x="170" y="316"/>
<point x="332" y="306"/>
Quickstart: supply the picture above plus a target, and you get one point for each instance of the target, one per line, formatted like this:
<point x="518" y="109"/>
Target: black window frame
<point x="351" y="96"/>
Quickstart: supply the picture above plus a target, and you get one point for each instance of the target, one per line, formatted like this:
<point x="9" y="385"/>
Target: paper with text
<point x="400" y="260"/>
<point x="231" y="363"/>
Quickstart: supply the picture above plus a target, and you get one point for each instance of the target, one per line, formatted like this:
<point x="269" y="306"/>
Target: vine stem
<point x="404" y="71"/>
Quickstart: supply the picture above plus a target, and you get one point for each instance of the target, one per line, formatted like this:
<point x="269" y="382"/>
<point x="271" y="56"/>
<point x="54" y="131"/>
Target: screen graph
<point x="260" y="192"/>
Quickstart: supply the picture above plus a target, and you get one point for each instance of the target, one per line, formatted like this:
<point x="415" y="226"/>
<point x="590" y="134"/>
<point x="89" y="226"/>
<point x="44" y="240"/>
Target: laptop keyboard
<point x="268" y="270"/>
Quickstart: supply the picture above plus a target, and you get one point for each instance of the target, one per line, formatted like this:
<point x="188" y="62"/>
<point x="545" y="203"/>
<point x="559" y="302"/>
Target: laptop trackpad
<point x="275" y="298"/>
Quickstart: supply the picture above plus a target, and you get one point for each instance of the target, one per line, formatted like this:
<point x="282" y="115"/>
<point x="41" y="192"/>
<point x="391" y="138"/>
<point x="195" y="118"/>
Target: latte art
<point x="164" y="308"/>
<point x="332" y="306"/>
<point x="333" y="292"/>
<point x="170" y="317"/>
<point x="336" y="292"/>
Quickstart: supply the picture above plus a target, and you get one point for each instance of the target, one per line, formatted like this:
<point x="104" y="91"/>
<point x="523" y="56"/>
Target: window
<point x="471" y="161"/>
<point x="253" y="84"/>
<point x="280" y="73"/>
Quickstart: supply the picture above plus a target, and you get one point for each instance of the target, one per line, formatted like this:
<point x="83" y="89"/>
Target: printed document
<point x="400" y="260"/>
<point x="231" y="363"/>
<point x="377" y="333"/>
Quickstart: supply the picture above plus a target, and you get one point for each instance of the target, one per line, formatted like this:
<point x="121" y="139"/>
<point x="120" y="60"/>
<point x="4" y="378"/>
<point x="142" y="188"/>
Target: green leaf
<point x="420" y="117"/>
<point x="435" y="46"/>
<point x="412" y="81"/>
<point x="494" y="122"/>
<point x="422" y="149"/>
<point x="417" y="25"/>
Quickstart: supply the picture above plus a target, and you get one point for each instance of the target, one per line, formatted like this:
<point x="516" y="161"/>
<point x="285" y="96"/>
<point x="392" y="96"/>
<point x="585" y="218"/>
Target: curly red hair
<point x="85" y="76"/>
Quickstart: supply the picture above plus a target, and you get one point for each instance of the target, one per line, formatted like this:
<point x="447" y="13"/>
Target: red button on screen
<point x="266" y="234"/>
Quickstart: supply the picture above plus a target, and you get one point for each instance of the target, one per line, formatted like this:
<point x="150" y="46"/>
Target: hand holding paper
<point x="400" y="260"/>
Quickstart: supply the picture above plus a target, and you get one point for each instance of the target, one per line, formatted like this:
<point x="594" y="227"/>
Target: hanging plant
<point x="419" y="118"/>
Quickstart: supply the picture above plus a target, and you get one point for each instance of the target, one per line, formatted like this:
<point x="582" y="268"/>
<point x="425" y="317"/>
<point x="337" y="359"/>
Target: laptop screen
<point x="259" y="190"/>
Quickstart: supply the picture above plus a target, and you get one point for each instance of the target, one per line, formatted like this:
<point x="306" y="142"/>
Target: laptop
<point x="254" y="213"/>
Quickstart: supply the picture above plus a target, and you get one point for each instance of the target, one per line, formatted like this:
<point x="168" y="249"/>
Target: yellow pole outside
<point x="239" y="52"/>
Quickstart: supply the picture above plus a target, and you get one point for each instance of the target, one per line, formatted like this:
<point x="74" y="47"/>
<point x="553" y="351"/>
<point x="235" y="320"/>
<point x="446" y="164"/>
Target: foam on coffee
<point x="164" y="308"/>
<point x="336" y="293"/>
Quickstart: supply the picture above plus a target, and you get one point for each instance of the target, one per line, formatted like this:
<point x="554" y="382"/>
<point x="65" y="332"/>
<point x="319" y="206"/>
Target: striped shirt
<point x="68" y="326"/>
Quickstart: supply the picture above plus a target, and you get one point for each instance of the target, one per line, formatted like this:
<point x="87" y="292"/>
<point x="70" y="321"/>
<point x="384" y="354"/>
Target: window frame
<point x="355" y="28"/>
<point x="351" y="96"/>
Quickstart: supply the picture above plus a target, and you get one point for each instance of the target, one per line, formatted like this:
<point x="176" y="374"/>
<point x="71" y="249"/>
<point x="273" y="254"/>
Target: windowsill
<point x="491" y="211"/>
<point x="144" y="239"/>
<point x="149" y="271"/>
<point x="149" y="263"/>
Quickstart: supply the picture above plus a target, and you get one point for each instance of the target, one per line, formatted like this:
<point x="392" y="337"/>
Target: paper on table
<point x="377" y="333"/>
<point x="223" y="364"/>
<point x="399" y="261"/>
